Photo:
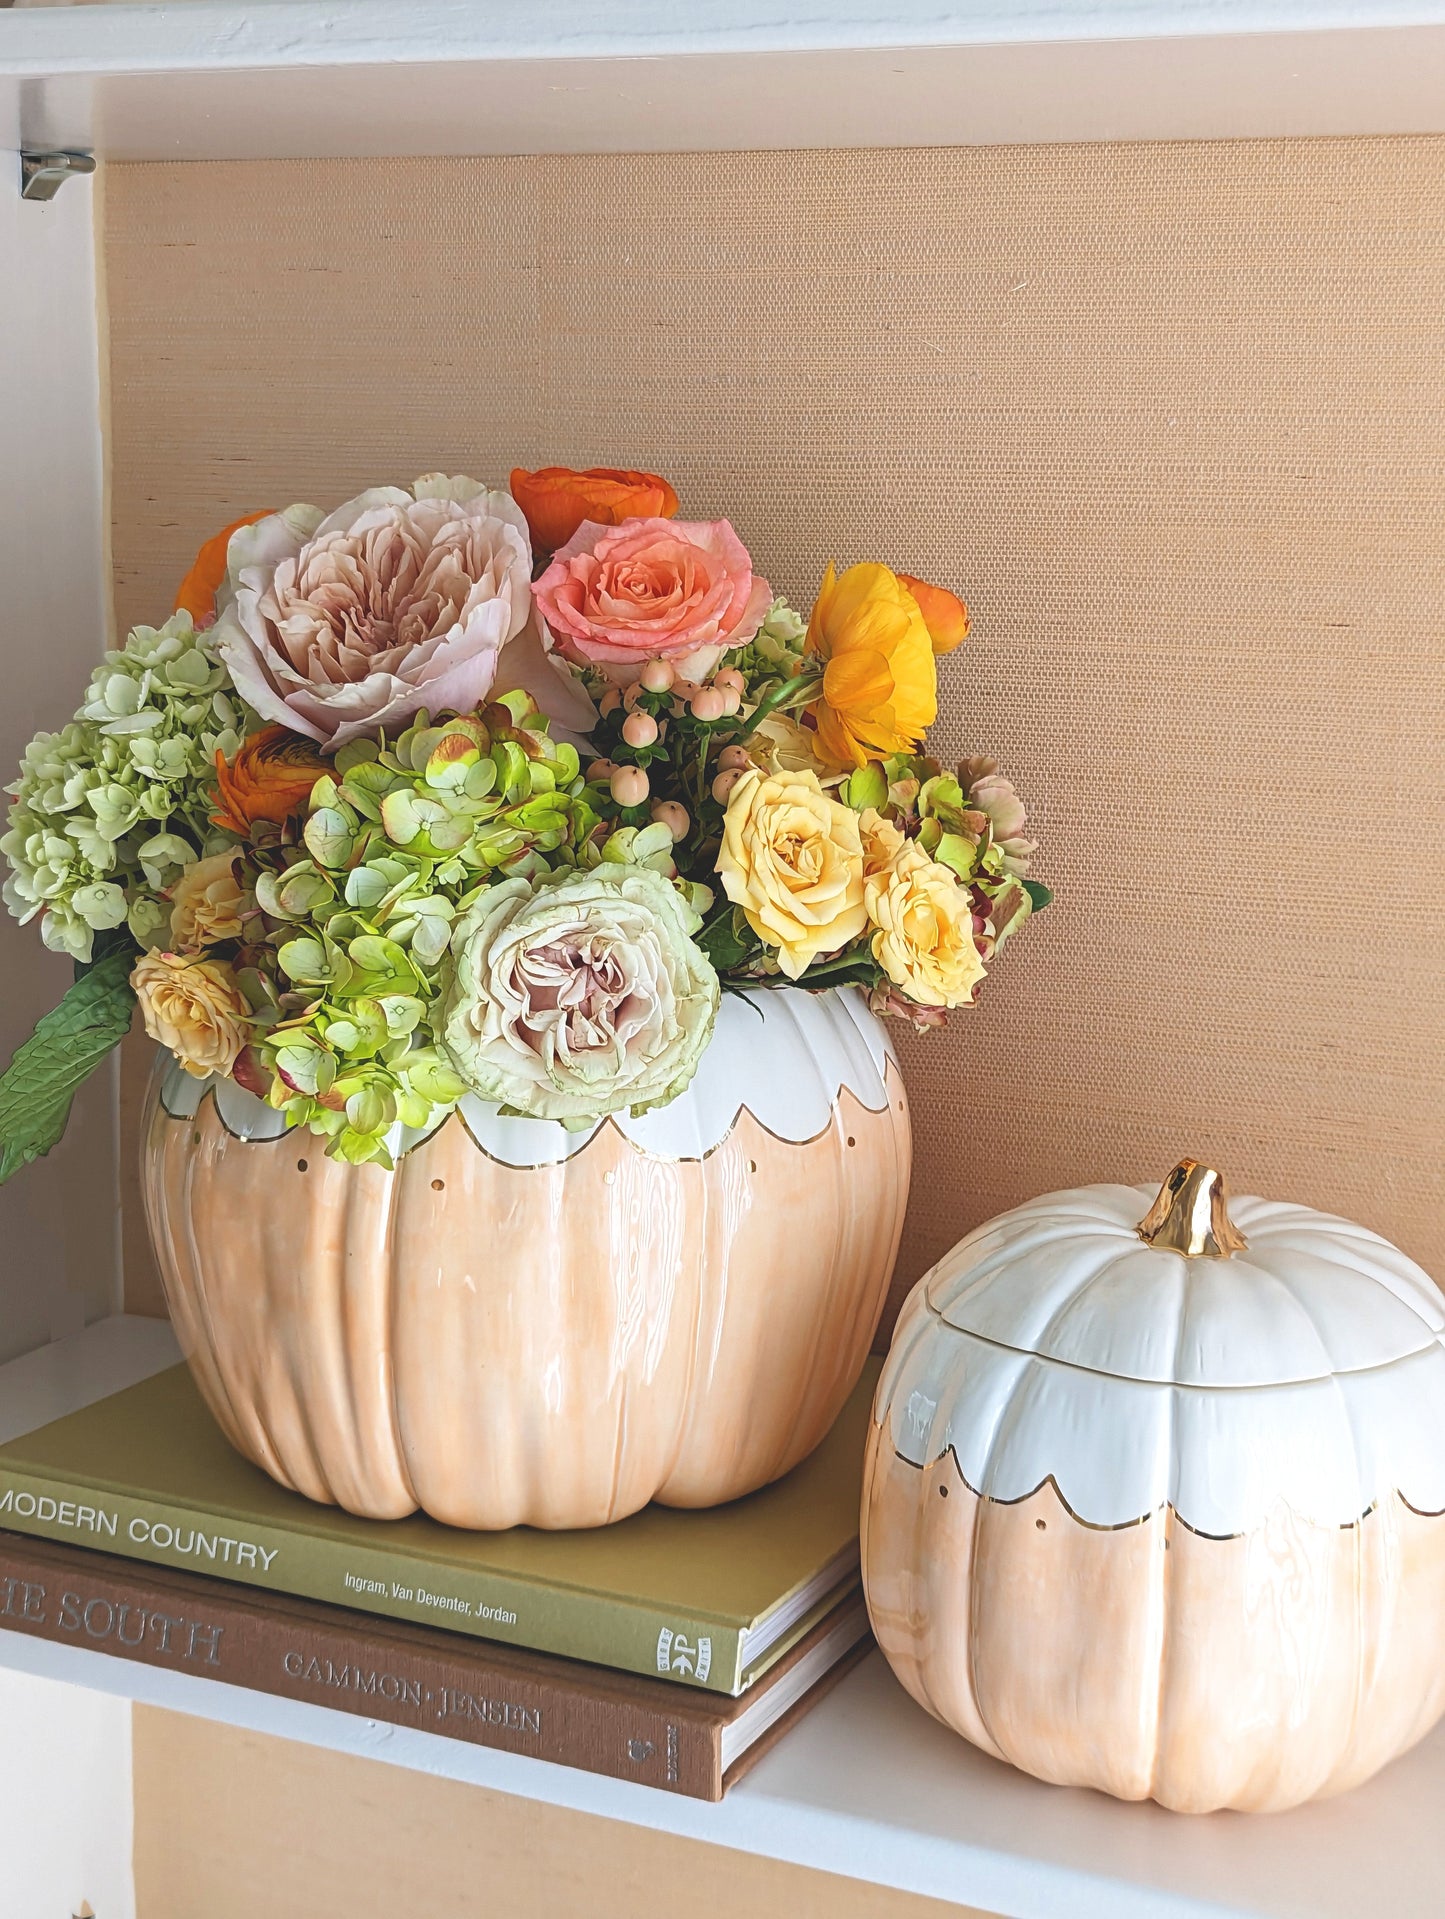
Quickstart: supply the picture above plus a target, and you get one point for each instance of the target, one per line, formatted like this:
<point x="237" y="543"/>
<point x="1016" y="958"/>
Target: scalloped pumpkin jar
<point x="1155" y="1496"/>
<point x="525" y="1326"/>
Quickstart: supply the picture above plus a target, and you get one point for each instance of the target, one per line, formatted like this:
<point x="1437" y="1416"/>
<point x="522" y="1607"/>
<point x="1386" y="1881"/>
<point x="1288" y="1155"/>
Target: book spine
<point x="516" y="1612"/>
<point x="110" y="1607"/>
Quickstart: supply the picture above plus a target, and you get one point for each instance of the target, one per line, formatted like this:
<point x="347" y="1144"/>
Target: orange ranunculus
<point x="270" y="778"/>
<point x="944" y="613"/>
<point x="880" y="689"/>
<point x="197" y="593"/>
<point x="556" y="500"/>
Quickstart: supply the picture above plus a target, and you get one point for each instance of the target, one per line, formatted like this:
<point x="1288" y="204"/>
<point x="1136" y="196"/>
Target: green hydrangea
<point x="111" y="809"/>
<point x="399" y="843"/>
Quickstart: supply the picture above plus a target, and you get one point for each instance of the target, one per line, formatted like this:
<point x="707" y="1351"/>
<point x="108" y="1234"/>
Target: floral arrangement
<point x="464" y="791"/>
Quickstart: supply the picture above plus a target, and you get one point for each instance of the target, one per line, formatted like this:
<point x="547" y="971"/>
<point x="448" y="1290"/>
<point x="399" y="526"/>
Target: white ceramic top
<point x="1068" y="1277"/>
<point x="1053" y="1344"/>
<point x="783" y="1054"/>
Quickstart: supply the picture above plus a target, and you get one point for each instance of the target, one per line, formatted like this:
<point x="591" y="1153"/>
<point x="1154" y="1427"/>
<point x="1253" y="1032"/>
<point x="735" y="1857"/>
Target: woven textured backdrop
<point x="1173" y="419"/>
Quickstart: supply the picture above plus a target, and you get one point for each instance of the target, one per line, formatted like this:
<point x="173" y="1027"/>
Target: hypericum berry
<point x="731" y="699"/>
<point x="657" y="676"/>
<point x="730" y="680"/>
<point x="723" y="785"/>
<point x="733" y="759"/>
<point x="630" y="786"/>
<point x="708" y="704"/>
<point x="674" y="817"/>
<point x="610" y="701"/>
<point x="601" y="770"/>
<point x="639" y="729"/>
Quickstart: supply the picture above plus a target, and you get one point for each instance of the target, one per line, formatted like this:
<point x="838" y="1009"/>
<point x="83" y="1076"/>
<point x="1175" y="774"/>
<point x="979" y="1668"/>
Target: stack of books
<point x="672" y="1648"/>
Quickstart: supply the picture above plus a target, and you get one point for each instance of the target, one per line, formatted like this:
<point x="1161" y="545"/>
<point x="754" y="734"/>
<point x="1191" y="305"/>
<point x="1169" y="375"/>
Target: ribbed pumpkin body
<point x="1170" y="1527"/>
<point x="522" y="1326"/>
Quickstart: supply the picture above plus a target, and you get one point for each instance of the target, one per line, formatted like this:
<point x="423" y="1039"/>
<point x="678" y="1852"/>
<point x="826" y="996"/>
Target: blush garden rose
<point x="338" y="624"/>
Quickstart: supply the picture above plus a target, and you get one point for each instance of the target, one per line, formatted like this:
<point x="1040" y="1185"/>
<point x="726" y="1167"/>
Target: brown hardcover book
<point x="676" y="1738"/>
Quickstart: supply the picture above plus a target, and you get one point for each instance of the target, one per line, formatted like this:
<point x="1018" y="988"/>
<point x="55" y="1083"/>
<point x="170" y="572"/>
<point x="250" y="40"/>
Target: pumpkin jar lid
<point x="1137" y="1348"/>
<point x="1187" y="1287"/>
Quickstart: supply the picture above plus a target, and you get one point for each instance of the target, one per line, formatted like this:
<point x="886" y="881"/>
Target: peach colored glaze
<point x="552" y="1346"/>
<point x="1149" y="1660"/>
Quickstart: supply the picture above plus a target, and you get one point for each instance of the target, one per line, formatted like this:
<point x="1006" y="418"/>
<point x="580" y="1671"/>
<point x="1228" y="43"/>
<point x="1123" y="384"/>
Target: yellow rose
<point x="206" y="904"/>
<point x="782" y="746"/>
<point x="791" y="858"/>
<point x="194" y="1007"/>
<point x="882" y="842"/>
<point x="924" y="919"/>
<point x="880" y="686"/>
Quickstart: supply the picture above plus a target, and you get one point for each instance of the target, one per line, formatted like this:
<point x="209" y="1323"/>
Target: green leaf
<point x="67" y="1045"/>
<point x="728" y="940"/>
<point x="1040" y="895"/>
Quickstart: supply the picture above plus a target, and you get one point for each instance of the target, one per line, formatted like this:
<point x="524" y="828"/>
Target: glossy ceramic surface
<point x="524" y="1326"/>
<point x="1167" y="1526"/>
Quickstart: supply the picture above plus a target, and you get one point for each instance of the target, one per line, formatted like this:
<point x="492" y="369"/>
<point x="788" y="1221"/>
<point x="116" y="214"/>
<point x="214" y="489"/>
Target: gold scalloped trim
<point x="1125" y="1525"/>
<point x="892" y="1082"/>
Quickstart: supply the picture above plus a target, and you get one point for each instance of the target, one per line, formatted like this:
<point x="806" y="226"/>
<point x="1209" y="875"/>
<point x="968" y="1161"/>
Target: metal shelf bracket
<point x="42" y="175"/>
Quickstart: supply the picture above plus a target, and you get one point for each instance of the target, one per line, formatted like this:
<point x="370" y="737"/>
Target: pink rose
<point x="676" y="590"/>
<point x="339" y="624"/>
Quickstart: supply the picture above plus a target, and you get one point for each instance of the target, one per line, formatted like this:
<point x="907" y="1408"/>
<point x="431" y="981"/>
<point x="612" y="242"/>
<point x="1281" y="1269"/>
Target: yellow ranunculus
<point x="880" y="687"/>
<point x="924" y="921"/>
<point x="194" y="1007"/>
<point x="792" y="860"/>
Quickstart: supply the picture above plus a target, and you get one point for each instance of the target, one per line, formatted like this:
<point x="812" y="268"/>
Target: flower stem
<point x="781" y="696"/>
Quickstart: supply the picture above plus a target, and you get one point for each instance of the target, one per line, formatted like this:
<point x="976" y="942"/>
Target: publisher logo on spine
<point x="677" y="1654"/>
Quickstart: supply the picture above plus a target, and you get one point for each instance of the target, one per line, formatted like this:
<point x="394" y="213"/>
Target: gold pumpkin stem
<point x="1191" y="1215"/>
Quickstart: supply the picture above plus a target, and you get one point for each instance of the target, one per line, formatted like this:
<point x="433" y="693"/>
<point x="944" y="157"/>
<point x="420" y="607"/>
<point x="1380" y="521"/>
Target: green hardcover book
<point x="706" y="1598"/>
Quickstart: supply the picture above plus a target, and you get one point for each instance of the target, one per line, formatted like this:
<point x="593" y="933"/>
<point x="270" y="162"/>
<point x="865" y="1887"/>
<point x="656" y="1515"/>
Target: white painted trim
<point x="225" y="81"/>
<point x="220" y="35"/>
<point x="60" y="1218"/>
<point x="65" y="1799"/>
<point x="87" y="1366"/>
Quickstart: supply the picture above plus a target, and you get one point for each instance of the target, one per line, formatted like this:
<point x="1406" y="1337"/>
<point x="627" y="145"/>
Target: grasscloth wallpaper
<point x="1172" y="418"/>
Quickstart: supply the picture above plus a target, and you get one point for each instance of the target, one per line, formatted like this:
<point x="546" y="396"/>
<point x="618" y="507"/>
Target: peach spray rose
<point x="683" y="591"/>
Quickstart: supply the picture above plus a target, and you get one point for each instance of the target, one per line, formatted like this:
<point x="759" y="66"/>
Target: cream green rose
<point x="579" y="994"/>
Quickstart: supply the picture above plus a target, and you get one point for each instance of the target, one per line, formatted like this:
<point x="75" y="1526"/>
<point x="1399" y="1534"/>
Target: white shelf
<point x="210" y="79"/>
<point x="867" y="1785"/>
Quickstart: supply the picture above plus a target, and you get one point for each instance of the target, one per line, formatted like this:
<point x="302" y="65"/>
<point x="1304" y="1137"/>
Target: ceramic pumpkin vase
<point x="522" y="1325"/>
<point x="1153" y="1500"/>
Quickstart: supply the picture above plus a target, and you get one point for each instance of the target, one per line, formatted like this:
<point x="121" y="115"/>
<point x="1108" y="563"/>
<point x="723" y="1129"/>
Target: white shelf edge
<point x="212" y="81"/>
<point x="220" y="35"/>
<point x="867" y="1785"/>
<point x="752" y="1819"/>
